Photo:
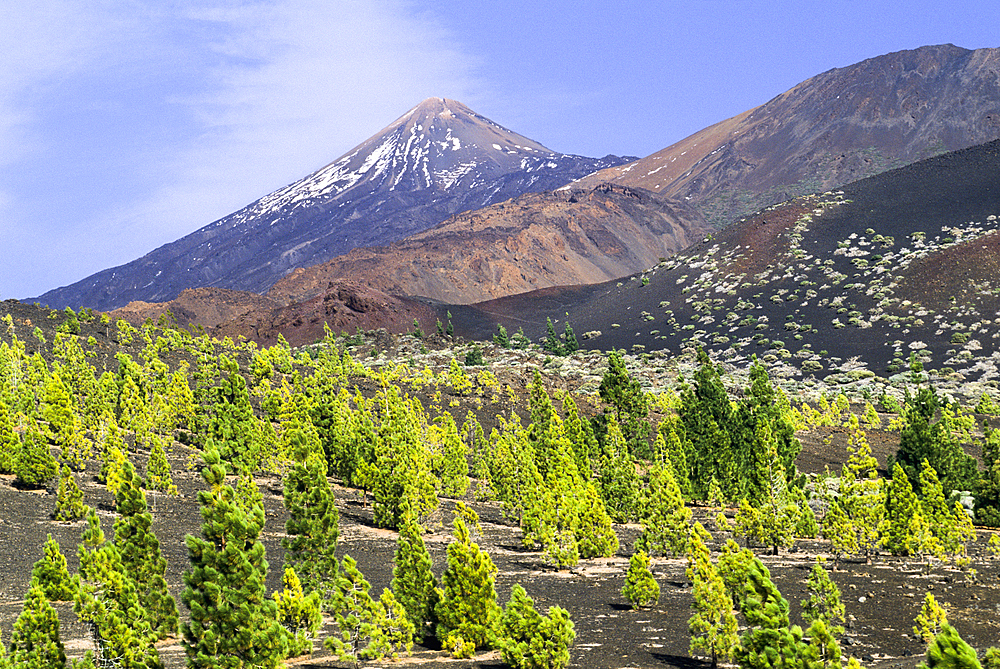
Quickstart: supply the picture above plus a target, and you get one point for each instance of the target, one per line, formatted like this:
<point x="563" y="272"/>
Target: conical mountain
<point x="438" y="159"/>
<point x="837" y="127"/>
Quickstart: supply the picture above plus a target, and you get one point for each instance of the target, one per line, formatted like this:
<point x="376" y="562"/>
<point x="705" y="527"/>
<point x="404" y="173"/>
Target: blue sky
<point x="125" y="124"/>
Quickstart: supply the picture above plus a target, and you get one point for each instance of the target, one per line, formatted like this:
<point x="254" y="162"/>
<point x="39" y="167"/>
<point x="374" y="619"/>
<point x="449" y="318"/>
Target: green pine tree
<point x="232" y="622"/>
<point x="552" y="343"/>
<point x="931" y="619"/>
<point x="51" y="575"/>
<point x="570" y="343"/>
<point x="467" y="611"/>
<point x="69" y="498"/>
<point x="299" y="613"/>
<point x="368" y="629"/>
<point x="640" y="589"/>
<point x="108" y="600"/>
<point x="769" y="641"/>
<point x="529" y="640"/>
<point x="312" y="528"/>
<point x="413" y="582"/>
<point x="10" y="444"/>
<point x="158" y="469"/>
<point x="951" y="528"/>
<point x="618" y="481"/>
<point x="35" y="466"/>
<point x="734" y="567"/>
<point x="629" y="404"/>
<point x="707" y="416"/>
<point x="141" y="556"/>
<point x="595" y="536"/>
<point x="824" y="602"/>
<point x="501" y="338"/>
<point x="901" y="509"/>
<point x="712" y="625"/>
<point x="665" y="519"/>
<point x="949" y="651"/>
<point x="823" y="651"/>
<point x="34" y="641"/>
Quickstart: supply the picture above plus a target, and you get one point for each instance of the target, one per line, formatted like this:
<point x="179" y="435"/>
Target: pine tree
<point x="779" y="514"/>
<point x="630" y="405"/>
<point x="51" y="575"/>
<point x="640" y="589"/>
<point x="34" y="641"/>
<point x="312" y="528"/>
<point x="141" y="556"/>
<point x="618" y="481"/>
<point x="540" y="431"/>
<point x="931" y="619"/>
<point x="69" y="498"/>
<point x="158" y="469"/>
<point x="586" y="450"/>
<point x="712" y="624"/>
<point x="860" y="506"/>
<point x="951" y="527"/>
<point x="734" y="566"/>
<point x="368" y="629"/>
<point x="823" y="651"/>
<point x="413" y="582"/>
<point x="902" y="516"/>
<point x="529" y="640"/>
<point x="707" y="416"/>
<point x="355" y="612"/>
<point x="467" y="610"/>
<point x="394" y="632"/>
<point x="668" y="448"/>
<point x="872" y="419"/>
<point x="768" y="438"/>
<point x="806" y="527"/>
<point x="553" y="518"/>
<point x="299" y="613"/>
<point x="10" y="444"/>
<point x="552" y="344"/>
<point x="570" y="343"/>
<point x="35" y="466"/>
<point x="921" y="439"/>
<point x="452" y="457"/>
<point x="824" y="602"/>
<point x="769" y="641"/>
<point x="665" y="519"/>
<point x="500" y="338"/>
<point x="949" y="651"/>
<point x="233" y="623"/>
<point x="595" y="537"/>
<point x="108" y="600"/>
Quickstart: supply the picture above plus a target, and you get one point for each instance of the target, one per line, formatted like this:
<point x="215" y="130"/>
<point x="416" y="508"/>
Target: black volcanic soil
<point x="881" y="598"/>
<point x="951" y="190"/>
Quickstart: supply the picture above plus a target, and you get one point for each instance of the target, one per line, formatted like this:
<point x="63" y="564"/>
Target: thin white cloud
<point x="205" y="106"/>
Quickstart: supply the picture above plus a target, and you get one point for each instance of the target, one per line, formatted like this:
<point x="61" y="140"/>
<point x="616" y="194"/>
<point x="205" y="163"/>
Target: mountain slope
<point x="835" y="128"/>
<point x="532" y="241"/>
<point x="846" y="282"/>
<point x="438" y="159"/>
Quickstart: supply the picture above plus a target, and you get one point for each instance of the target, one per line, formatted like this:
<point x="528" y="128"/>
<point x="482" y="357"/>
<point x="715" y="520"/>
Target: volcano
<point x="438" y="159"/>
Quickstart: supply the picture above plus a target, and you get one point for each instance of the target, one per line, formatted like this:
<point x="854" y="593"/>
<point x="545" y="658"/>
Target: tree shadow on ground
<point x="681" y="661"/>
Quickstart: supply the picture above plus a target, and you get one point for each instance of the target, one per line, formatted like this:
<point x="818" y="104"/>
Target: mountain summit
<point x="837" y="127"/>
<point x="438" y="159"/>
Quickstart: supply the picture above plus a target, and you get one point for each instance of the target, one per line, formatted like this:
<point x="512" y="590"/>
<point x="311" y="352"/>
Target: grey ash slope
<point x="842" y="284"/>
<point x="438" y="159"/>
